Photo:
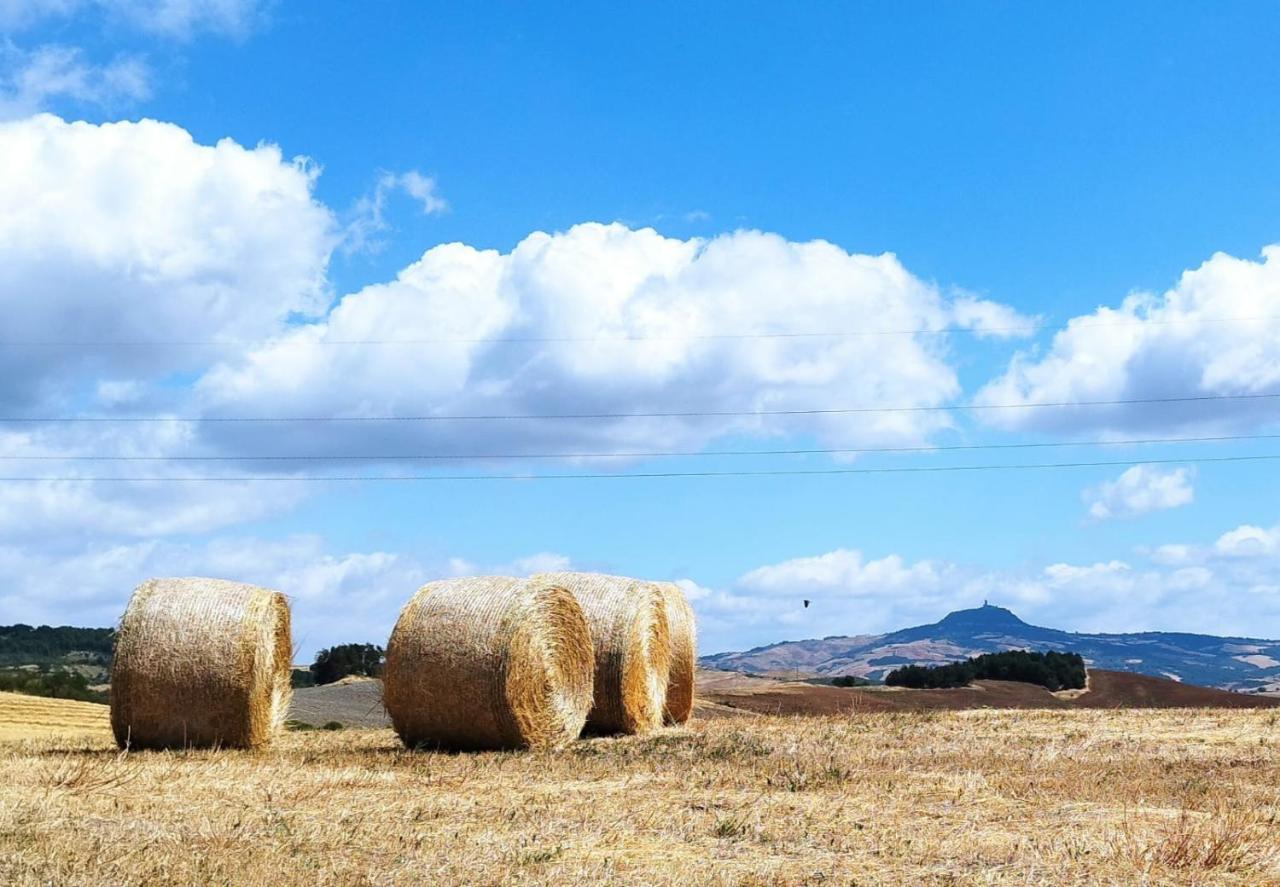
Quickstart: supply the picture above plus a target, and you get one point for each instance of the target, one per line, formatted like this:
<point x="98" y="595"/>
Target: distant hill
<point x="27" y="651"/>
<point x="1107" y="689"/>
<point x="45" y="644"/>
<point x="1229" y="663"/>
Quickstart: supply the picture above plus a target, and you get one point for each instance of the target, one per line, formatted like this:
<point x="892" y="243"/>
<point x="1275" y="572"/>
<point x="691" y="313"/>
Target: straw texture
<point x="684" y="653"/>
<point x="632" y="645"/>
<point x="489" y="662"/>
<point x="200" y="663"/>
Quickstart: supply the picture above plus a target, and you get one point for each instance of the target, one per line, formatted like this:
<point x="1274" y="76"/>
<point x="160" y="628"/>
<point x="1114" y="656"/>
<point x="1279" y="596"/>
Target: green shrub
<point x="334" y="663"/>
<point x="55" y="683"/>
<point x="1053" y="670"/>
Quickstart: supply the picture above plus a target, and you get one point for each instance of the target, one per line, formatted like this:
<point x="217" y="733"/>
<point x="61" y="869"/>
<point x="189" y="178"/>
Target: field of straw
<point x="1062" y="797"/>
<point x="32" y="717"/>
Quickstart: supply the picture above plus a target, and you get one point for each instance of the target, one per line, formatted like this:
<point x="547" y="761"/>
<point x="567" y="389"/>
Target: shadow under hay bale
<point x="201" y="663"/>
<point x="632" y="645"/>
<point x="684" y="653"/>
<point x="489" y="662"/>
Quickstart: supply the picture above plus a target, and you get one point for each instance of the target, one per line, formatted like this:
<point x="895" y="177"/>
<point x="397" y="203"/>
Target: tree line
<point x="334" y="663"/>
<point x="36" y="645"/>
<point x="55" y="683"/>
<point x="1053" y="670"/>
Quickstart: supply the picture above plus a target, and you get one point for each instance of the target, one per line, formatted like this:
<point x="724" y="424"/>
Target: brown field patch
<point x="1179" y="796"/>
<point x="1107" y="689"/>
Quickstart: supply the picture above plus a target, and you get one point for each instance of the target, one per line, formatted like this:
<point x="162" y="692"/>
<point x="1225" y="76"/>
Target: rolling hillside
<point x="1107" y="690"/>
<point x="1229" y="663"/>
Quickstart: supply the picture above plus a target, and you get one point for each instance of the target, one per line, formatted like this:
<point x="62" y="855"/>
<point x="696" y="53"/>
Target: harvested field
<point x="357" y="702"/>
<point x="352" y="702"/>
<point x="34" y="717"/>
<point x="939" y="797"/>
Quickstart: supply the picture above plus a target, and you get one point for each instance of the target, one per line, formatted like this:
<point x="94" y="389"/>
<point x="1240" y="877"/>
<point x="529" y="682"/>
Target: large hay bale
<point x="684" y="653"/>
<point x="632" y="645"/>
<point x="201" y="662"/>
<point x="489" y="662"/>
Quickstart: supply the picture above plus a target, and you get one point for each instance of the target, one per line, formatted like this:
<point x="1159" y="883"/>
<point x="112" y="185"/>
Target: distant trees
<point x="334" y="663"/>
<point x="54" y="683"/>
<point x="29" y="645"/>
<point x="848" y="680"/>
<point x="1053" y="670"/>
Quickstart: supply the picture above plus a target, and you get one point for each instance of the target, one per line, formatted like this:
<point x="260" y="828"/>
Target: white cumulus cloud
<point x="1139" y="490"/>
<point x="609" y="319"/>
<point x="134" y="232"/>
<point x="1217" y="332"/>
<point x="1249" y="541"/>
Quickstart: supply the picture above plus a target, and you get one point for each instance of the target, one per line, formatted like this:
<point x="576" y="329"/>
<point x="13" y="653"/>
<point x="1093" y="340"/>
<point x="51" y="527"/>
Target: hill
<point x="85" y="651"/>
<point x="352" y="702"/>
<point x="1107" y="690"/>
<point x="1229" y="663"/>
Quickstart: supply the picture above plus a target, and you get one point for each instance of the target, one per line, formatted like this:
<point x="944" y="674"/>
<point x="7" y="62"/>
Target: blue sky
<point x="1021" y="164"/>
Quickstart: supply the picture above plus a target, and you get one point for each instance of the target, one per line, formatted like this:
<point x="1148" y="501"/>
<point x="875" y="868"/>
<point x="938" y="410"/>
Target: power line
<point x="680" y="337"/>
<point x="921" y="469"/>
<point x="683" y="414"/>
<point x="454" y="457"/>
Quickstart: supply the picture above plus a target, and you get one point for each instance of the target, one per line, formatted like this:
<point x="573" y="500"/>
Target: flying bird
<point x="806" y="605"/>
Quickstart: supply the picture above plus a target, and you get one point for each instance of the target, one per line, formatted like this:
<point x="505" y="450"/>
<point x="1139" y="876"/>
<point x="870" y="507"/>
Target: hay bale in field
<point x="489" y="662"/>
<point x="684" y="653"/>
<point x="632" y="643"/>
<point x="201" y="662"/>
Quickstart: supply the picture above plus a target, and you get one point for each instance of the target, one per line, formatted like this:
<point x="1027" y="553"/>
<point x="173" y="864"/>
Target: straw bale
<point x="489" y="662"/>
<point x="201" y="663"/>
<point x="684" y="653"/>
<point x="631" y="638"/>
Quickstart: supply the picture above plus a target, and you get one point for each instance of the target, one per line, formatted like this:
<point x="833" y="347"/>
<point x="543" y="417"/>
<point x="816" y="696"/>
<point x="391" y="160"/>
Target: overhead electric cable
<point x="915" y="469"/>
<point x="656" y="454"/>
<point x="679" y="414"/>
<point x="297" y="342"/>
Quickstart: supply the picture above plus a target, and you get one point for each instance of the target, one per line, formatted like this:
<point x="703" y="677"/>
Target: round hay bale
<point x="489" y="663"/>
<point x="684" y="653"/>
<point x="632" y="645"/>
<point x="201" y="663"/>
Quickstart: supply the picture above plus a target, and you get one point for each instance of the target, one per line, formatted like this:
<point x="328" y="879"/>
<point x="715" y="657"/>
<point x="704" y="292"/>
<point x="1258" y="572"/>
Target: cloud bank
<point x="602" y="318"/>
<point x="1217" y="332"/>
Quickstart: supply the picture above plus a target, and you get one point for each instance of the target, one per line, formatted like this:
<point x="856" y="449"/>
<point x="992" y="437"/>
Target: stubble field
<point x="1064" y="797"/>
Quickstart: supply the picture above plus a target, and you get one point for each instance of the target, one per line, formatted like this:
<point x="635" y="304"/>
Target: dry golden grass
<point x="986" y="797"/>
<point x="33" y="717"/>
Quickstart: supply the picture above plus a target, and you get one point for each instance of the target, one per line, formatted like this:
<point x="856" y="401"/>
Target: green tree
<point x="335" y="663"/>
<point x="1053" y="670"/>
